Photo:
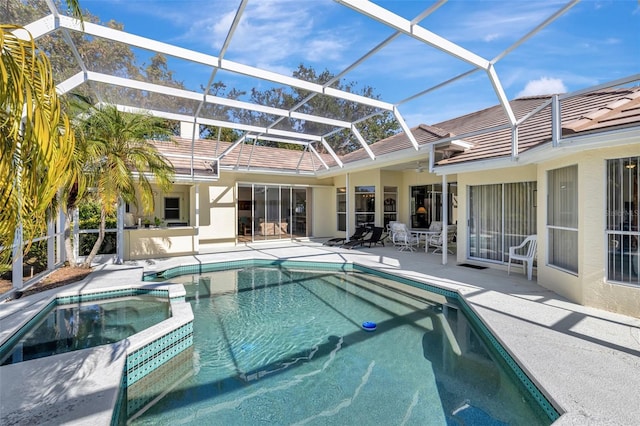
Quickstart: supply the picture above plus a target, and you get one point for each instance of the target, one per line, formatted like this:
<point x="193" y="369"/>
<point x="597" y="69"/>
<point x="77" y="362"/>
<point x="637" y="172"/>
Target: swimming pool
<point x="61" y="328"/>
<point x="286" y="346"/>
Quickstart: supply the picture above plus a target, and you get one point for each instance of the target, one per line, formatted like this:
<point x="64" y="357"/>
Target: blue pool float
<point x="369" y="326"/>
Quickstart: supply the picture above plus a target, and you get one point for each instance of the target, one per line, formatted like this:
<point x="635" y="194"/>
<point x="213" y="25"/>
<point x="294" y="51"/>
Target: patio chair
<point x="437" y="240"/>
<point x="375" y="238"/>
<point x="529" y="245"/>
<point x="359" y="234"/>
<point x="402" y="238"/>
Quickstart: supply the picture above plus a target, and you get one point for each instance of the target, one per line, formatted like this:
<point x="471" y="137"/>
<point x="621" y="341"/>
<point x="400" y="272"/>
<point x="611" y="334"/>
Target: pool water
<point x="84" y="325"/>
<point x="278" y="346"/>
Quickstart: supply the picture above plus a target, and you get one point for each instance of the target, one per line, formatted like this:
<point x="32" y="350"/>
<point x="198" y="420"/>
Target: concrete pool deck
<point x="586" y="360"/>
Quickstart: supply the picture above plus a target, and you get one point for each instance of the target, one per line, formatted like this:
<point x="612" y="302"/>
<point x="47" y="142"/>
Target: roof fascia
<point x="547" y="151"/>
<point x="391" y="159"/>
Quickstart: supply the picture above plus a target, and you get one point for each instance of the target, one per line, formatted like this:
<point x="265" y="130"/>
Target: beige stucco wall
<point x="146" y="243"/>
<point x="590" y="286"/>
<point x="323" y="212"/>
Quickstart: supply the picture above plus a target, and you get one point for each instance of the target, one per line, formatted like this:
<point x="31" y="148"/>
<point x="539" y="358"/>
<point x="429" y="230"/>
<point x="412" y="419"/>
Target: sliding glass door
<point x="500" y="216"/>
<point x="276" y="212"/>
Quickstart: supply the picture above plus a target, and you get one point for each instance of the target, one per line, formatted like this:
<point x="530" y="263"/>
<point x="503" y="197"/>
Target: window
<point x="623" y="220"/>
<point x="562" y="218"/>
<point x="500" y="216"/>
<point x="341" y="208"/>
<point x="172" y="208"/>
<point x="390" y="204"/>
<point x="426" y="204"/>
<point x="365" y="204"/>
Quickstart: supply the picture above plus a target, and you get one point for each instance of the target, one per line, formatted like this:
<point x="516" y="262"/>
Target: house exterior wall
<point x="323" y="212"/>
<point x="591" y="286"/>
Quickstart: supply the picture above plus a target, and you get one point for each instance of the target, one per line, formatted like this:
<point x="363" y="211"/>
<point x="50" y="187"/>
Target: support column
<point x="62" y="253"/>
<point x="76" y="234"/>
<point x="51" y="242"/>
<point x="445" y="220"/>
<point x="120" y="233"/>
<point x="17" y="261"/>
<point x="348" y="210"/>
<point x="196" y="237"/>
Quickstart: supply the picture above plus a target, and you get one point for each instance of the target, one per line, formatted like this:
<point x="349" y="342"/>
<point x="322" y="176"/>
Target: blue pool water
<point x="279" y="346"/>
<point x="66" y="328"/>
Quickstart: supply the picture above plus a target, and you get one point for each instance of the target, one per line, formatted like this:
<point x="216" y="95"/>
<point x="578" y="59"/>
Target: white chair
<point x="437" y="240"/>
<point x="528" y="246"/>
<point x="402" y="238"/>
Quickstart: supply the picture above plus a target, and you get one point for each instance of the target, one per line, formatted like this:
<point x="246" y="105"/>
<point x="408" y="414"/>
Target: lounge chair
<point x="375" y="238"/>
<point x="359" y="234"/>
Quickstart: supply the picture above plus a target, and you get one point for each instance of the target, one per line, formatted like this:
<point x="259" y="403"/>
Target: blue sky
<point x="594" y="42"/>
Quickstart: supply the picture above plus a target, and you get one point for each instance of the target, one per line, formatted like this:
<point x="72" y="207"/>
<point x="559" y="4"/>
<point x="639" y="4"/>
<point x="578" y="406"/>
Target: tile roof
<point x="259" y="157"/>
<point x="587" y="112"/>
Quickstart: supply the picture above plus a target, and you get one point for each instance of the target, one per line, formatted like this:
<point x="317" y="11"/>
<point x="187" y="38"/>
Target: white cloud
<point x="543" y="86"/>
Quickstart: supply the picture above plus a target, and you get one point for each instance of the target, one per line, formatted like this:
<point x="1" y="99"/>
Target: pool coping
<point x="93" y="378"/>
<point x="548" y="404"/>
<point x="586" y="358"/>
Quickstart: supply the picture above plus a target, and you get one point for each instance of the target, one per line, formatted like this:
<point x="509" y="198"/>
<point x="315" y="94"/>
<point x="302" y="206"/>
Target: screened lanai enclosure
<point x="298" y="120"/>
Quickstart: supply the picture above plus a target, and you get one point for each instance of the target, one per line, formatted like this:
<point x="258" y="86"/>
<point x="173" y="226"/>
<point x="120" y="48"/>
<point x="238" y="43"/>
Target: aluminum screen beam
<point x="215" y="100"/>
<point x="406" y="129"/>
<point x="331" y="152"/>
<point x="312" y="149"/>
<point x="364" y="144"/>
<point x="399" y="23"/>
<point x="218" y="123"/>
<point x="214" y="61"/>
<point x="405" y="26"/>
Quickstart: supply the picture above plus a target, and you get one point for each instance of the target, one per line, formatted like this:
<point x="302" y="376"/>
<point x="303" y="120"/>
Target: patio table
<point x="427" y="234"/>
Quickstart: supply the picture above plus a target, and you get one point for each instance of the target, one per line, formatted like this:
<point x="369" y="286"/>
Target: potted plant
<point x="146" y="223"/>
<point x="157" y="221"/>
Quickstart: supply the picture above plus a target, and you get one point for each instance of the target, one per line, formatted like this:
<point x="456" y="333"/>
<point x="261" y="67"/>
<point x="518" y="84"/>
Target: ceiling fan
<point x="420" y="167"/>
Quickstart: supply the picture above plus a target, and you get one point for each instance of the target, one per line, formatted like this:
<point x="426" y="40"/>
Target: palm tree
<point x="37" y="140"/>
<point x="120" y="162"/>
